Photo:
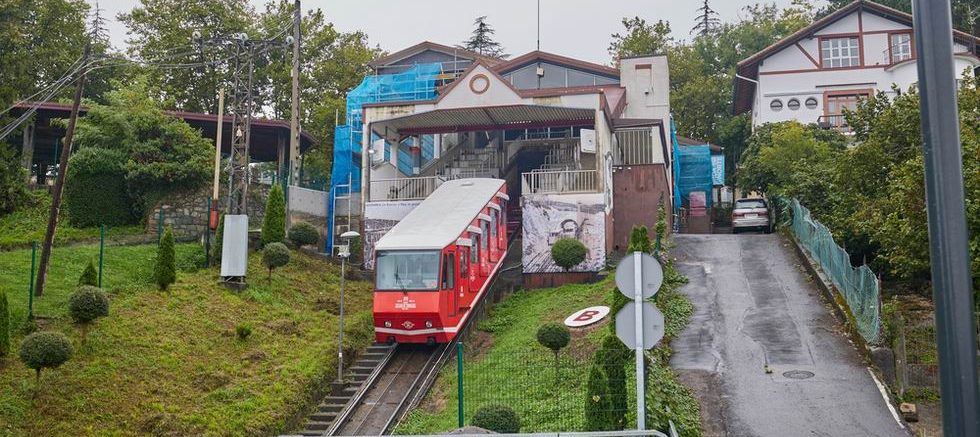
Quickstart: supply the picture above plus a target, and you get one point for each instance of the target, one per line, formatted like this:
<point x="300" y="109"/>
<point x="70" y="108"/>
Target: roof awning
<point x="483" y="118"/>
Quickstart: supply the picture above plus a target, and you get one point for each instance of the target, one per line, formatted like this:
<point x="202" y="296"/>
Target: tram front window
<point x="408" y="270"/>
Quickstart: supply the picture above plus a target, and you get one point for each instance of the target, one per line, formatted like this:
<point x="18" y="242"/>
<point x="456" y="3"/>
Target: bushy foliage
<point x="243" y="331"/>
<point x="497" y="418"/>
<point x="554" y="336"/>
<point x="274" y="222"/>
<point x="90" y="276"/>
<point x="165" y="269"/>
<point x="219" y="235"/>
<point x="96" y="189"/>
<point x="13" y="190"/>
<point x="86" y="305"/>
<point x="612" y="356"/>
<point x="303" y="234"/>
<point x="4" y="325"/>
<point x="275" y="255"/>
<point x="568" y="253"/>
<point x="598" y="407"/>
<point x="45" y="350"/>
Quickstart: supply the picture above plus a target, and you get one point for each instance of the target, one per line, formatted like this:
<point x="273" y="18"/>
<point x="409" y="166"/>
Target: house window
<point x="837" y="103"/>
<point x="900" y="47"/>
<point x="811" y="103"/>
<point x="776" y="105"/>
<point x="793" y="104"/>
<point x="840" y="52"/>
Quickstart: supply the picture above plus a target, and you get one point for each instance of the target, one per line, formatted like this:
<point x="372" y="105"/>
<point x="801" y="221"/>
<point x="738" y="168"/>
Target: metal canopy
<point x="483" y="118"/>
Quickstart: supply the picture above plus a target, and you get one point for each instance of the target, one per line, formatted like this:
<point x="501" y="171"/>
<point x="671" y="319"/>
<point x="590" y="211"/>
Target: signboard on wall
<point x="718" y="169"/>
<point x="587" y="139"/>
<point x="379" y="218"/>
<point x="549" y="218"/>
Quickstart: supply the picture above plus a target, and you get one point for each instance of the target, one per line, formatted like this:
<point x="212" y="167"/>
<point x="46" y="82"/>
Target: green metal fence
<point x="859" y="285"/>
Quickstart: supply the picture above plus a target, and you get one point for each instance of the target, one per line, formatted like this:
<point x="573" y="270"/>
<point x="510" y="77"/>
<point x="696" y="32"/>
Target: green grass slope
<point x="19" y="228"/>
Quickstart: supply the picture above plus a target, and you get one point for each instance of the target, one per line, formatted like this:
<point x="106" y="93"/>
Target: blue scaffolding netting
<point x="416" y="83"/>
<point x="694" y="173"/>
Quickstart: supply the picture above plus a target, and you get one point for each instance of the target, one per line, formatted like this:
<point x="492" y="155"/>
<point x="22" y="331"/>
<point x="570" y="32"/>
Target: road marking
<point x="884" y="395"/>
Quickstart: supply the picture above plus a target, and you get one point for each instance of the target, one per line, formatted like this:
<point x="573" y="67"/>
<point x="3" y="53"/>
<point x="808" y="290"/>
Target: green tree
<point x="482" y="40"/>
<point x="303" y="234"/>
<point x="165" y="270"/>
<point x="640" y="38"/>
<point x="554" y="336"/>
<point x="90" y="276"/>
<point x="274" y="222"/>
<point x="45" y="350"/>
<point x="13" y="190"/>
<point x="568" y="253"/>
<point x="86" y="305"/>
<point x="274" y="255"/>
<point x="218" y="240"/>
<point x="613" y="355"/>
<point x="4" y="325"/>
<point x="598" y="407"/>
<point x="96" y="191"/>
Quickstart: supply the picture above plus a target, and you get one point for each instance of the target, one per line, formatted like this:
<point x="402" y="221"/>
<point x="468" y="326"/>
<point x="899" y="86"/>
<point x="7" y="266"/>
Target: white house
<point x="831" y="64"/>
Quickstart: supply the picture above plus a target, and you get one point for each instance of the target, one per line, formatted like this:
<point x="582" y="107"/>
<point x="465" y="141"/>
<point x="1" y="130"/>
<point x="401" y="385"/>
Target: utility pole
<point x="946" y="210"/>
<point x="294" y="148"/>
<point x="59" y="184"/>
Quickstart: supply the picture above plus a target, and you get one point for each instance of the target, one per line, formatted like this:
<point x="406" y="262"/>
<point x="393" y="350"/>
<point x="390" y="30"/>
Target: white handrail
<point x="561" y="182"/>
<point x="416" y="188"/>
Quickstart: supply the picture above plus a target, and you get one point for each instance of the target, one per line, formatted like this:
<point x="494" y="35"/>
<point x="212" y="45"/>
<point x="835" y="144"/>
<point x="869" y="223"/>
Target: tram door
<point x="449" y="282"/>
<point x="464" y="275"/>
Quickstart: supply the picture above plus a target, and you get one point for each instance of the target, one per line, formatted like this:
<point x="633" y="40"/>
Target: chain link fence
<point x="858" y="285"/>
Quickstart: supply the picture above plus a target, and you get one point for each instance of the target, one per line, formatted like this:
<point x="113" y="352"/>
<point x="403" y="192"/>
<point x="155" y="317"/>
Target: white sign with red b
<point x="587" y="316"/>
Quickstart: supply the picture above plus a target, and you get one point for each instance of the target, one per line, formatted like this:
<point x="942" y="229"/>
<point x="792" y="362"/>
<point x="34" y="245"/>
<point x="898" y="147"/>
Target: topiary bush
<point x="303" y="234"/>
<point x="90" y="276"/>
<point x="4" y="325"/>
<point x="45" y="350"/>
<point x="554" y="336"/>
<point x="497" y="418"/>
<point x="95" y="189"/>
<point x="86" y="305"/>
<point x="568" y="253"/>
<point x="275" y="255"/>
<point x="613" y="356"/>
<point x="165" y="270"/>
<point x="274" y="222"/>
<point x="597" y="402"/>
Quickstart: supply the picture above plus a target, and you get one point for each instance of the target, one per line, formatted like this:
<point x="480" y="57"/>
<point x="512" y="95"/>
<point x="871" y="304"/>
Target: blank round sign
<point x="653" y="276"/>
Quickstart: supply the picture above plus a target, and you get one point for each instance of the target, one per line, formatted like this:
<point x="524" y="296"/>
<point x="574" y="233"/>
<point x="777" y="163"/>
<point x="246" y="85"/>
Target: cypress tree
<point x="90" y="276"/>
<point x="613" y="354"/>
<point x="274" y="222"/>
<point x="165" y="272"/>
<point x="597" y="407"/>
<point x="4" y="325"/>
<point x="218" y="235"/>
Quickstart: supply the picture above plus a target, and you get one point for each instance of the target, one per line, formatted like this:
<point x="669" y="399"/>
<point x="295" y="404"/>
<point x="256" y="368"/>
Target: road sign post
<point x="639" y="324"/>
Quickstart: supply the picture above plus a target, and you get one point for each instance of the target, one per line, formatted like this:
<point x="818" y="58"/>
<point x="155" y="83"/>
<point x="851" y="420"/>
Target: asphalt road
<point x="755" y="307"/>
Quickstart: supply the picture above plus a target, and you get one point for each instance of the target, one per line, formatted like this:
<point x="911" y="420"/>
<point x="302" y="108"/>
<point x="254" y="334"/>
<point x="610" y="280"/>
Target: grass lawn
<point x="27" y="224"/>
<point x="169" y="363"/>
<point x="504" y="364"/>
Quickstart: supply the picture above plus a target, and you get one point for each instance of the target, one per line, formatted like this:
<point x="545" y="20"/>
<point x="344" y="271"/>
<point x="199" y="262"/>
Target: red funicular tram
<point x="435" y="265"/>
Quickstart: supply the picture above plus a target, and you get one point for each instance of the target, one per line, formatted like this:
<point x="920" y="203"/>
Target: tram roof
<point x="440" y="219"/>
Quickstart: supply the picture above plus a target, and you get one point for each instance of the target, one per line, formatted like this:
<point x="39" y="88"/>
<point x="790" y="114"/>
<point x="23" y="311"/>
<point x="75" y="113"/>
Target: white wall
<point x="647" y="89"/>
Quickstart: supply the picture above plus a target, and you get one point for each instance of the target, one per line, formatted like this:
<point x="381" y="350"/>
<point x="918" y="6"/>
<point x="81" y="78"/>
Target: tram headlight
<point x="428" y="324"/>
<point x="387" y="324"/>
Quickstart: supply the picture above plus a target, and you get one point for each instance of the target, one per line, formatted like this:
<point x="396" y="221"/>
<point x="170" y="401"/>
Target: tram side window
<point x="408" y="270"/>
<point x="493" y="223"/>
<point x="475" y="250"/>
<point x="449" y="272"/>
<point x="463" y="269"/>
<point x="483" y="241"/>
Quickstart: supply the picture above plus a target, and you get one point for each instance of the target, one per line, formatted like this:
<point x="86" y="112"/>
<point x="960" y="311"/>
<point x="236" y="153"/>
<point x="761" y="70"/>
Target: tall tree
<point x="707" y="20"/>
<point x="640" y="38"/>
<point x="482" y="40"/>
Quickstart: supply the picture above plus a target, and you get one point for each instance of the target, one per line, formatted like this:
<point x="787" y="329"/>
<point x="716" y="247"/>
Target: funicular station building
<point x="586" y="150"/>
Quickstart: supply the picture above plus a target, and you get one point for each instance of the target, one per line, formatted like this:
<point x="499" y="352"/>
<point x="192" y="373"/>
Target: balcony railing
<point x="636" y="147"/>
<point x="404" y="188"/>
<point x="560" y="182"/>
<point x="835" y="121"/>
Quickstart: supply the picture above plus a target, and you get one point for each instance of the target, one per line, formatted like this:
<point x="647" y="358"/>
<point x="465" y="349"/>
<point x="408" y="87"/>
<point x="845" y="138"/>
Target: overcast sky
<point x="576" y="28"/>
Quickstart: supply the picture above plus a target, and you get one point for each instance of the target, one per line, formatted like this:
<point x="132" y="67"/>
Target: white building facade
<point x="812" y="75"/>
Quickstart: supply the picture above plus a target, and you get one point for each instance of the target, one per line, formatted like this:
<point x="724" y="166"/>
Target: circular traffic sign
<point x="650" y="269"/>
<point x="653" y="325"/>
<point x="587" y="316"/>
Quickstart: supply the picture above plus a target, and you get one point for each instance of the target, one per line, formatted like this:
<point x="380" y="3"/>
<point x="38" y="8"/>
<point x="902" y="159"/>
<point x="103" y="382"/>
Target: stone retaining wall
<point x="188" y="213"/>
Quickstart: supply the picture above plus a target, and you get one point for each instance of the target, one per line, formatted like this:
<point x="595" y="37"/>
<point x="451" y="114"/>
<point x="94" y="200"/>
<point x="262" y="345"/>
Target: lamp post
<point x="344" y="254"/>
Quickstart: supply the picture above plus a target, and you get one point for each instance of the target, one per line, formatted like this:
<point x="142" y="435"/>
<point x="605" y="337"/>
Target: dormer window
<point x="900" y="47"/>
<point x="840" y="52"/>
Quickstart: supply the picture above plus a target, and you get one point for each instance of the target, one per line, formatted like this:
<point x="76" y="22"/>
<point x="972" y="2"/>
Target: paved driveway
<point x="755" y="308"/>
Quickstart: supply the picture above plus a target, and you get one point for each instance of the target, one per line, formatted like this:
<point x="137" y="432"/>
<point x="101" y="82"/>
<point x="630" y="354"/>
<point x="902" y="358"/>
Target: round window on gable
<point x="811" y="103"/>
<point x="793" y="104"/>
<point x="776" y="105"/>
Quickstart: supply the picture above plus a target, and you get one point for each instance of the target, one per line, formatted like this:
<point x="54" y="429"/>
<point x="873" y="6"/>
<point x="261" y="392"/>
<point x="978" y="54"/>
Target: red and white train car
<point x="435" y="265"/>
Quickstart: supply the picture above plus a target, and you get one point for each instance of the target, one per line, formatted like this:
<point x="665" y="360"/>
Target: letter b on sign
<point x="586" y="316"/>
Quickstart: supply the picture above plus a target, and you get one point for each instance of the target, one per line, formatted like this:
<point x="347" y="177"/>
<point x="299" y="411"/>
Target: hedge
<point x="95" y="189"/>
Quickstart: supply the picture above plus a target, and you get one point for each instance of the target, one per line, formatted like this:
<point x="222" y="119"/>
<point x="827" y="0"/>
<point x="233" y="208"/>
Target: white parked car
<point x="751" y="214"/>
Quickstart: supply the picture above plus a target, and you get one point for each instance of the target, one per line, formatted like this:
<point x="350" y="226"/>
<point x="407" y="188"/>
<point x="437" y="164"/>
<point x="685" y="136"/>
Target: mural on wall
<point x="546" y="219"/>
<point x="379" y="218"/>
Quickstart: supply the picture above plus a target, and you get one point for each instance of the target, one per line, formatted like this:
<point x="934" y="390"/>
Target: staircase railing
<point x="416" y="188"/>
<point x="560" y="182"/>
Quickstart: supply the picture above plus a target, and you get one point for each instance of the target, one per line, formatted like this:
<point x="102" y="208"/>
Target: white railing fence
<point x="560" y="182"/>
<point x="417" y="188"/>
<point x="635" y="147"/>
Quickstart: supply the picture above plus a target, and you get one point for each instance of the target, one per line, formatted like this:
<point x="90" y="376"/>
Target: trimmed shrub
<point x="95" y="189"/>
<point x="597" y="404"/>
<point x="274" y="222"/>
<point x="218" y="236"/>
<point x="497" y="418"/>
<point x="554" y="336"/>
<point x="90" y="276"/>
<point x="45" y="350"/>
<point x="4" y="325"/>
<point x="613" y="356"/>
<point x="165" y="270"/>
<point x="568" y="253"/>
<point x="275" y="255"/>
<point x="243" y="332"/>
<point x="86" y="305"/>
<point x="303" y="234"/>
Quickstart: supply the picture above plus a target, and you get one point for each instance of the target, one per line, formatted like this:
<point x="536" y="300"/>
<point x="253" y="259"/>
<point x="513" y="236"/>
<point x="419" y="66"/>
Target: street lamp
<point x="344" y="254"/>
